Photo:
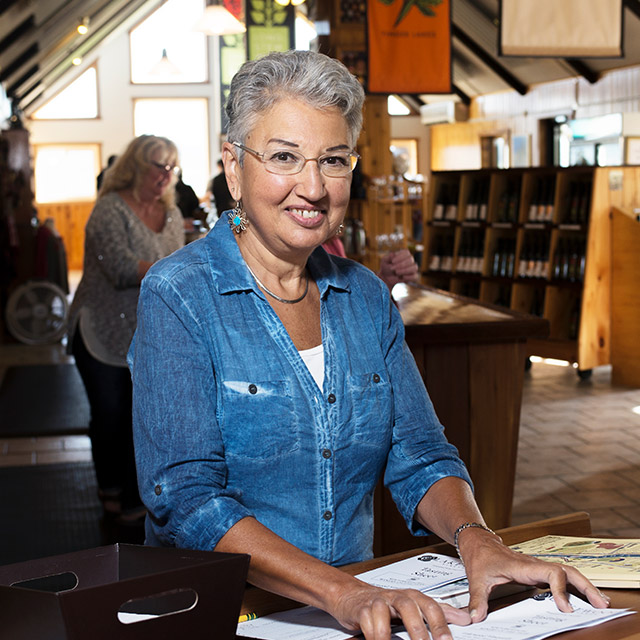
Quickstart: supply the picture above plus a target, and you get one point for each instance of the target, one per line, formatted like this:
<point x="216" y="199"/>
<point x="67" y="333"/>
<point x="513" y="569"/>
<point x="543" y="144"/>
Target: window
<point x="66" y="173"/>
<point x="165" y="49"/>
<point x="76" y="101"/>
<point x="185" y="122"/>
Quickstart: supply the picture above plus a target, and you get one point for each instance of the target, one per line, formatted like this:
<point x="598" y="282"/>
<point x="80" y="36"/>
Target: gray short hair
<point x="314" y="78"/>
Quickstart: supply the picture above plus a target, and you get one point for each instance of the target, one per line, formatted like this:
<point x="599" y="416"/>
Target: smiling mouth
<point x="306" y="213"/>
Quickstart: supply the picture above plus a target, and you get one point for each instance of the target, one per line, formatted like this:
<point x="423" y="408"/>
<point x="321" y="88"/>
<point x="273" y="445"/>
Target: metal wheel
<point x="37" y="312"/>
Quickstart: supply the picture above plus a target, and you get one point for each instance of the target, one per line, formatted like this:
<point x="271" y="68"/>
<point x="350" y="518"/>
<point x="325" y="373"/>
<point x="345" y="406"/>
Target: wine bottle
<point x="451" y="210"/>
<point x="495" y="265"/>
<point x="557" y="259"/>
<point x="513" y="204"/>
<point x="483" y="200"/>
<point x="435" y="260"/>
<point x="524" y="257"/>
<point x="447" y="255"/>
<point x="545" y="212"/>
<point x="471" y="212"/>
<point x="585" y="203"/>
<point x="536" y="200"/>
<point x="441" y="203"/>
<point x="574" y="203"/>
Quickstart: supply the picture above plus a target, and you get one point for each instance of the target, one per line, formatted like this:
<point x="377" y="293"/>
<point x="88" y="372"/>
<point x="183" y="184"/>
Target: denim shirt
<point x="229" y="422"/>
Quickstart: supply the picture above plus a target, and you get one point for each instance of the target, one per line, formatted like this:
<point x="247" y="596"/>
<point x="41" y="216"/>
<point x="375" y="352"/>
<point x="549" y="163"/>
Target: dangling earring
<point x="238" y="218"/>
<point x="340" y="229"/>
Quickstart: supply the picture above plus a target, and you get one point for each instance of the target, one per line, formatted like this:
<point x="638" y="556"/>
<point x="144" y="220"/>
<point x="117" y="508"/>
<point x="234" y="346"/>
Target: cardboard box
<point x="95" y="594"/>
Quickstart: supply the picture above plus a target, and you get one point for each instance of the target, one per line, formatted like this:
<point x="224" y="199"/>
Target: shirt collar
<point x="230" y="273"/>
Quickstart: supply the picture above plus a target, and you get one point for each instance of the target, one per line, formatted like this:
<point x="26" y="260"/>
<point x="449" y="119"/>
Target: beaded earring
<point x="238" y="218"/>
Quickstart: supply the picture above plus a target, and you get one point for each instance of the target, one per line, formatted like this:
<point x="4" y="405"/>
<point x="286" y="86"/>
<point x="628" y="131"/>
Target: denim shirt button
<point x="326" y="453"/>
<point x="253" y="389"/>
<point x="331" y="398"/>
<point x="158" y="490"/>
<point x="376" y="377"/>
<point x="327" y="515"/>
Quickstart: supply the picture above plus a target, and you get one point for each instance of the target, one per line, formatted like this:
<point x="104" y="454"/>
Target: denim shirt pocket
<point x="371" y="400"/>
<point x="258" y="419"/>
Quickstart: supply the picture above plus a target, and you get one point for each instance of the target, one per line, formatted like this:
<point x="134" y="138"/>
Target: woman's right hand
<point x="371" y="610"/>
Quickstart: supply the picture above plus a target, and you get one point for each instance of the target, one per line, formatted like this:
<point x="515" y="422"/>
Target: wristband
<point x="468" y="525"/>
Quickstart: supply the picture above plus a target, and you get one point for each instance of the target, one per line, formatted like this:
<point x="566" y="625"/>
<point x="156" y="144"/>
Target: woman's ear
<point x="232" y="170"/>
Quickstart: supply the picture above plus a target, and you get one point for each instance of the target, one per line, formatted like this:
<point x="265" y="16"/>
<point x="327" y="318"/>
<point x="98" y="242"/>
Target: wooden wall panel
<point x="70" y="219"/>
<point x="625" y="299"/>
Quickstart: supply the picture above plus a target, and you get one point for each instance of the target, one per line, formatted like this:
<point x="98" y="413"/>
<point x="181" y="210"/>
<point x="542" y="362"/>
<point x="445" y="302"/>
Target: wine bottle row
<point x="534" y="256"/>
<point x="509" y="204"/>
<point x="446" y="206"/>
<point x="478" y="204"/>
<point x="470" y="257"/>
<point x="569" y="259"/>
<point x="532" y="199"/>
<point x="542" y="204"/>
<point x="442" y="254"/>
<point x="504" y="258"/>
<point x="579" y="203"/>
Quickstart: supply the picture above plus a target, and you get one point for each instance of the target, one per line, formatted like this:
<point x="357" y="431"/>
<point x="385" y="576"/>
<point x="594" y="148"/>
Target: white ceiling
<point x="38" y="38"/>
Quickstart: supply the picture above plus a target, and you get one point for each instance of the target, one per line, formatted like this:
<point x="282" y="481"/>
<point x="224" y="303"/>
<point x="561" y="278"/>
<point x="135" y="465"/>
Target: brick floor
<point x="579" y="450"/>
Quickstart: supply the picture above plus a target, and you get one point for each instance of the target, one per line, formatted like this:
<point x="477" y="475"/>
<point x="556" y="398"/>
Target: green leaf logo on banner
<point x="424" y="6"/>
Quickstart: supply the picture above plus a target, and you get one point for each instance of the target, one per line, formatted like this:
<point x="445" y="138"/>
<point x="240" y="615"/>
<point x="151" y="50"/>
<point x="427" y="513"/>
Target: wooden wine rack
<point x="565" y="212"/>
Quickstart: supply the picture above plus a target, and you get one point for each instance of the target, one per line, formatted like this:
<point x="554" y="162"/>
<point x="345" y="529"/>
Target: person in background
<point x="273" y="386"/>
<point x="100" y="177"/>
<point x="134" y="223"/>
<point x="186" y="199"/>
<point x="219" y="191"/>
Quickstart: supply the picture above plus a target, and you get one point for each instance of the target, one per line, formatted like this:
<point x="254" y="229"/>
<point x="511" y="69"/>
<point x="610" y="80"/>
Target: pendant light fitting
<point x="217" y="20"/>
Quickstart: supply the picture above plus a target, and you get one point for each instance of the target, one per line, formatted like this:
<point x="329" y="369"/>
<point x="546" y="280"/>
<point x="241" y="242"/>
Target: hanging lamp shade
<point x="219" y="21"/>
<point x="165" y="67"/>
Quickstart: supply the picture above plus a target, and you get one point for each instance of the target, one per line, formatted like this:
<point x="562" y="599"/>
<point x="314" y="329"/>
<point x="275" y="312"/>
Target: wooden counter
<point x="472" y="359"/>
<point x="576" y="524"/>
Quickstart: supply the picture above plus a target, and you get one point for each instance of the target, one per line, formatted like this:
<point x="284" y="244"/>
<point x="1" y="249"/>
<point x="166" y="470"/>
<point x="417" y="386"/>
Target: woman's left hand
<point x="489" y="563"/>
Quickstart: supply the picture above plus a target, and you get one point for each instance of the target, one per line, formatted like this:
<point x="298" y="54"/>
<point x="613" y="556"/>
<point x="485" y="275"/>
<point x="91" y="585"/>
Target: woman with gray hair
<point x="273" y="386"/>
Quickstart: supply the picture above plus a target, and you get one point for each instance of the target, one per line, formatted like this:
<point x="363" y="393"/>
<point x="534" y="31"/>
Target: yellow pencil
<point x="247" y="616"/>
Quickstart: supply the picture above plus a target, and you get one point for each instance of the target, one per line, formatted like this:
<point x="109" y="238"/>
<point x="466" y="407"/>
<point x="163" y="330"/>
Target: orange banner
<point x="409" y="46"/>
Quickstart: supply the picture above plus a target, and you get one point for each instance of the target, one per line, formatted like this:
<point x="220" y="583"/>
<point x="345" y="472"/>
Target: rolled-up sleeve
<point x="420" y="454"/>
<point x="182" y="471"/>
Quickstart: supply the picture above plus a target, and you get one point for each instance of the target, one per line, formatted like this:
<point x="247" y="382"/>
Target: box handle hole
<point x="54" y="583"/>
<point x="157" y="605"/>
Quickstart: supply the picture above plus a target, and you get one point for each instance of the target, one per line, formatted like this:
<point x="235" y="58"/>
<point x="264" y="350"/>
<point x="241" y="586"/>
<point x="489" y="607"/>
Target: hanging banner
<point x="232" y="55"/>
<point x="409" y="46"/>
<point x="562" y="28"/>
<point x="270" y="27"/>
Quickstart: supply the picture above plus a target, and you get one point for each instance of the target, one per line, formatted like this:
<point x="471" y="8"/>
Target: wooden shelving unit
<point x="533" y="240"/>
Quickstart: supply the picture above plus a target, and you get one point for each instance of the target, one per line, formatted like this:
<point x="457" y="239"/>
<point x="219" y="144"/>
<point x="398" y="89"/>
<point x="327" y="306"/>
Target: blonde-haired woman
<point x="134" y="223"/>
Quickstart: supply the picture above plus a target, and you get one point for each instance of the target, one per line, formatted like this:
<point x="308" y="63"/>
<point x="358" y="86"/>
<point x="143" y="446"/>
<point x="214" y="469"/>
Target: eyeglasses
<point x="167" y="168"/>
<point x="286" y="162"/>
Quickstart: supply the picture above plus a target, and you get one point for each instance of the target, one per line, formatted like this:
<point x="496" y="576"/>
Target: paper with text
<point x="533" y="619"/>
<point x="424" y="572"/>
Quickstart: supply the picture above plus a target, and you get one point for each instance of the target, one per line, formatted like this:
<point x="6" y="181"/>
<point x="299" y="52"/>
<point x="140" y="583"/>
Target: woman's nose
<point x="311" y="180"/>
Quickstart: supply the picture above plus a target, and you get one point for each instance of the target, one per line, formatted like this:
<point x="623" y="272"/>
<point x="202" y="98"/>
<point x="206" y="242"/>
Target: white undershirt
<point x="314" y="359"/>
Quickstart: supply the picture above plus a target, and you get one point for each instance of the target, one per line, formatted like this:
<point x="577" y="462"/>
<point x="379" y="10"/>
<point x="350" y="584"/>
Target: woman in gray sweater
<point x="134" y="223"/>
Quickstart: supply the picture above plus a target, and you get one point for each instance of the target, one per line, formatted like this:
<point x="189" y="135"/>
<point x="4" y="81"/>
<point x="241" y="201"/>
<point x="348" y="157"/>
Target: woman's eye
<point x="335" y="161"/>
<point x="283" y="157"/>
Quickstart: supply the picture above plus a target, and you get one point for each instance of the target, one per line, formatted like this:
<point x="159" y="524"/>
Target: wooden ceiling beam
<point x="488" y="59"/>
